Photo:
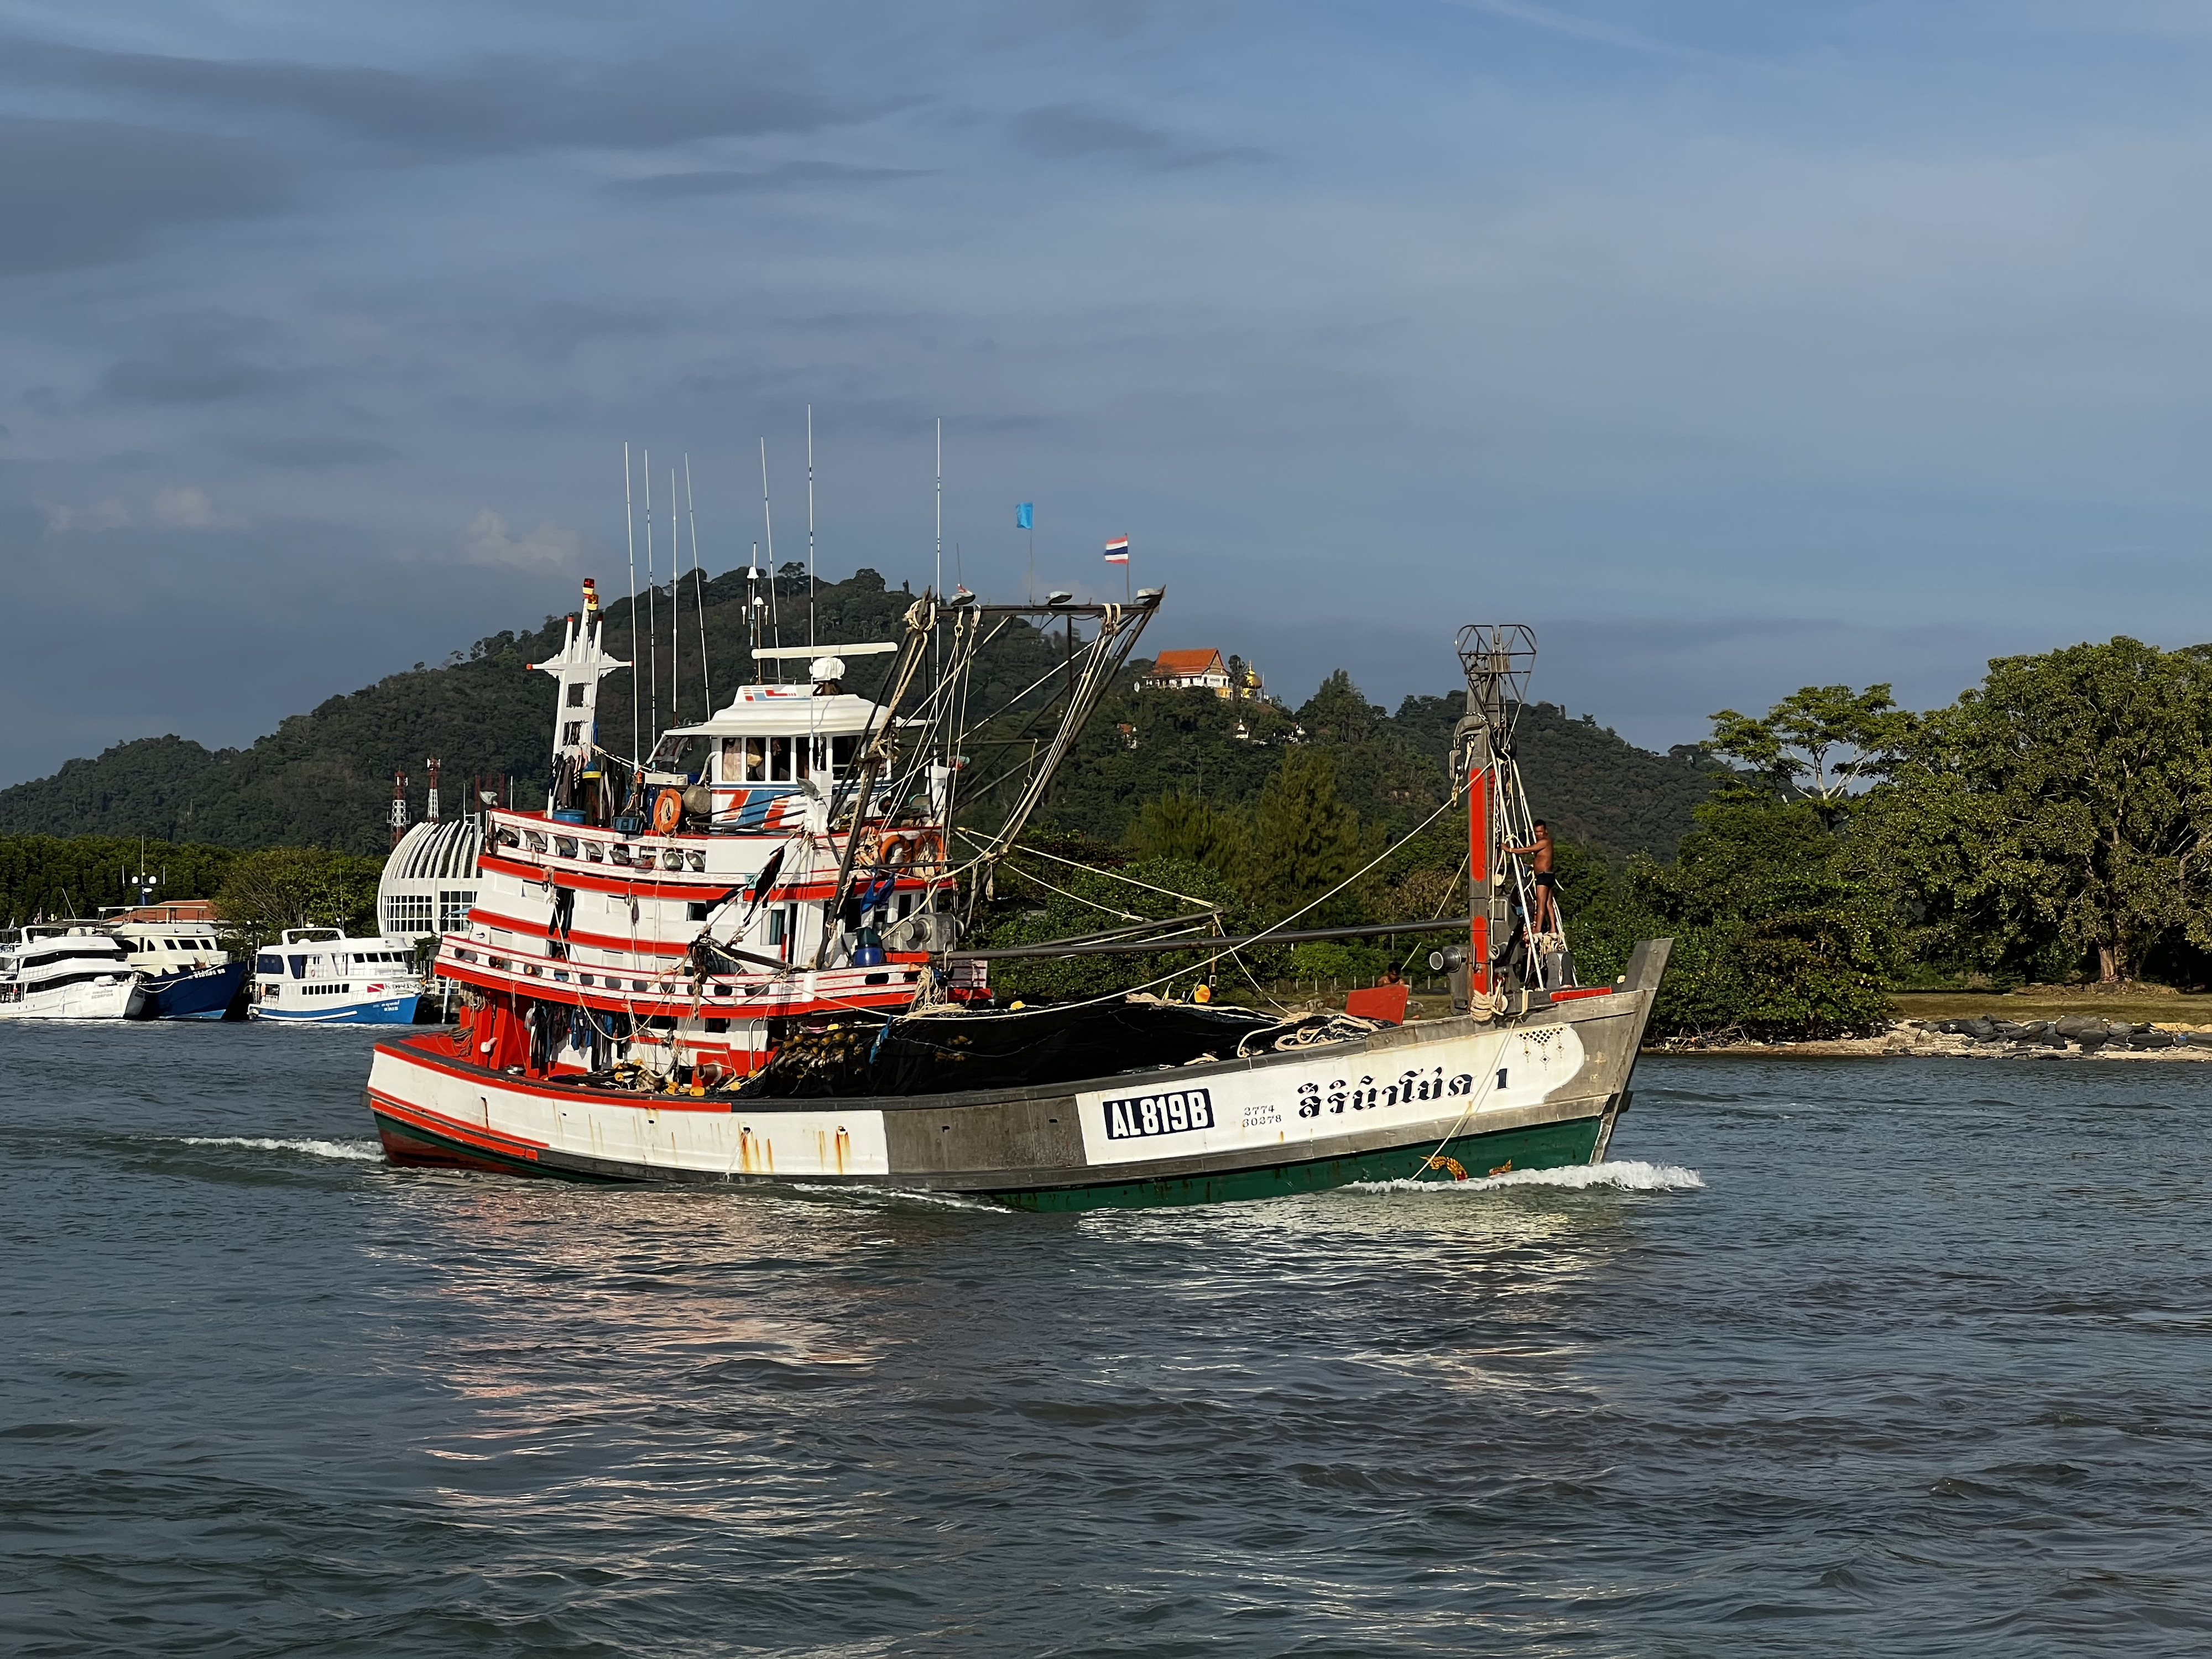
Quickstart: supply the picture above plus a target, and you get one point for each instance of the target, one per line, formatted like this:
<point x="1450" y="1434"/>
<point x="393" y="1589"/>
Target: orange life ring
<point x="897" y="850"/>
<point x="667" y="811"/>
<point x="928" y="852"/>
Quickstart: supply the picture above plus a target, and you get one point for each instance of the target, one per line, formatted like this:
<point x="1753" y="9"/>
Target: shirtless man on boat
<point x="1539" y="854"/>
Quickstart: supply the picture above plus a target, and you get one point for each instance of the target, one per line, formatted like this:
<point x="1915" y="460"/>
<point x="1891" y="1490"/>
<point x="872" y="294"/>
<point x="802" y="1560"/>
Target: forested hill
<point x="324" y="778"/>
<point x="1588" y="783"/>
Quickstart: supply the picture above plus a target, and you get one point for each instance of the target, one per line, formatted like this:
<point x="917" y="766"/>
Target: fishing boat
<point x="739" y="963"/>
<point x="178" y="949"/>
<point x="319" y="976"/>
<point x="66" y="970"/>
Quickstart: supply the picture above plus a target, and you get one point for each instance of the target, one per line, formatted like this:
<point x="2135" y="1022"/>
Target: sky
<point x="1733" y="346"/>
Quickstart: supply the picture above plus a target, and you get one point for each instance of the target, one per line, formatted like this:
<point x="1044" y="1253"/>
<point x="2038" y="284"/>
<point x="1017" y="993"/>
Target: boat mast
<point x="768" y="527"/>
<point x="810" y="526"/>
<point x="698" y="591"/>
<point x="652" y="611"/>
<point x="1498" y="660"/>
<point x="937" y="588"/>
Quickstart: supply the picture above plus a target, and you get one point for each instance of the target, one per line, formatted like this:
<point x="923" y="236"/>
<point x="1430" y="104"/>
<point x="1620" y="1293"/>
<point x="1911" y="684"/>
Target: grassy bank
<point x="2142" y="1004"/>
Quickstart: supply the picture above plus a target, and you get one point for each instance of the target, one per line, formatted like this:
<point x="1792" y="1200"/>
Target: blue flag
<point x="1025" y="516"/>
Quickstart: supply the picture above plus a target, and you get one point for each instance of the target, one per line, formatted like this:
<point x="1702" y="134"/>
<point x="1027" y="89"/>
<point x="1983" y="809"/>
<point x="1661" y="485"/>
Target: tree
<point x="1193" y="831"/>
<point x="282" y="887"/>
<point x="2063" y="810"/>
<point x="1337" y="712"/>
<point x="1305" y="841"/>
<point x="1825" y="742"/>
<point x="1781" y="929"/>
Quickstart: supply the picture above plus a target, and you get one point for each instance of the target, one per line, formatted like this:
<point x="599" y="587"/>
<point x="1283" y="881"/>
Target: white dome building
<point x="430" y="880"/>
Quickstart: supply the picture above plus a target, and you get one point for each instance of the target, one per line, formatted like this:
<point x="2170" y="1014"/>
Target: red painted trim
<point x="761" y="1005"/>
<point x="588" y="878"/>
<point x="536" y="930"/>
<point x="1583" y="991"/>
<point x="437" y="1123"/>
<point x="1478" y="864"/>
<point x="542" y="1089"/>
<point x="651" y="887"/>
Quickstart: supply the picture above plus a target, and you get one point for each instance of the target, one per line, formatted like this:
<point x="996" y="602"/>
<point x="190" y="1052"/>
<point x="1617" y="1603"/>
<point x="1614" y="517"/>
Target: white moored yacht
<point x="66" y="970"/>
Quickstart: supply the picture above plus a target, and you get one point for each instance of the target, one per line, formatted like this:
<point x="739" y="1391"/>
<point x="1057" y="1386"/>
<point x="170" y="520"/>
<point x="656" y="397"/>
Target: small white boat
<point x="317" y="976"/>
<point x="67" y="970"/>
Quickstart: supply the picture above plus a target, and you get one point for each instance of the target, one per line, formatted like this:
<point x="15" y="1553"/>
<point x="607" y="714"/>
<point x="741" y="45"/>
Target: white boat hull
<point x="115" y="998"/>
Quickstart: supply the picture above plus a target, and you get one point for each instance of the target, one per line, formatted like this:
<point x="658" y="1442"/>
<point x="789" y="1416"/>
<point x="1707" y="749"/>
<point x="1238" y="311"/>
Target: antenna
<point x="630" y="525"/>
<point x="810" y="526"/>
<point x="753" y="607"/>
<point x="698" y="593"/>
<point x="651" y="609"/>
<point x="774" y="616"/>
<point x="675" y="606"/>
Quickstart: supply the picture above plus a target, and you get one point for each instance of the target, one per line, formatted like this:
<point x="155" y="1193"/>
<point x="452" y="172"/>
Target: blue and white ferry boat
<point x="317" y="976"/>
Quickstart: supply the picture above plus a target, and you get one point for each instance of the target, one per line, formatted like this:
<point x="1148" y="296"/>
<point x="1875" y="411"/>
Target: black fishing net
<point x="951" y="1052"/>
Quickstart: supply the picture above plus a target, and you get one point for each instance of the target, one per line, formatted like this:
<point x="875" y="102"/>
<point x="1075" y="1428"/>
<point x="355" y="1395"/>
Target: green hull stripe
<point x="1542" y="1146"/>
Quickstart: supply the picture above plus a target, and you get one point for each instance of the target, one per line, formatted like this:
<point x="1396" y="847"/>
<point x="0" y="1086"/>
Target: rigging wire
<point x="1165" y="892"/>
<point x="1380" y="858"/>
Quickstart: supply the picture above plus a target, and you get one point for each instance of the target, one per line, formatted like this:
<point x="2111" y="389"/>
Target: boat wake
<point x="886" y="1195"/>
<point x="351" y="1152"/>
<point x="1631" y="1176"/>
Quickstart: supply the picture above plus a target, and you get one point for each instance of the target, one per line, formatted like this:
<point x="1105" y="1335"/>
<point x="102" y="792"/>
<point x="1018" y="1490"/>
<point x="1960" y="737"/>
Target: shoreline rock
<point x="2076" y="1036"/>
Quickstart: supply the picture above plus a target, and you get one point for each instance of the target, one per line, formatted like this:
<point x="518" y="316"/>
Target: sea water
<point x="1903" y="1356"/>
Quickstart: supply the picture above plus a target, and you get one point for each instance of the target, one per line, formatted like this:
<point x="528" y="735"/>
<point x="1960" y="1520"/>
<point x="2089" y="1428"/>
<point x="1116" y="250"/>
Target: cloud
<point x="83" y="193"/>
<point x="109" y="514"/>
<point x="1067" y="132"/>
<point x="548" y="547"/>
<point x="185" y="507"/>
<point x="1582" y="28"/>
<point x="791" y="176"/>
<point x="492" y="108"/>
<point x="311" y="453"/>
<point x="199" y="358"/>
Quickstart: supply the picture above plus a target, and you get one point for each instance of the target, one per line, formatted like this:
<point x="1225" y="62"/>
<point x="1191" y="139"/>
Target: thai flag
<point x="1117" y="551"/>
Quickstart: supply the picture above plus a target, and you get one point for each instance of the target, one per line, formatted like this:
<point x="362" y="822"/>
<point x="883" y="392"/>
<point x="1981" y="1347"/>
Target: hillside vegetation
<point x="324" y="778"/>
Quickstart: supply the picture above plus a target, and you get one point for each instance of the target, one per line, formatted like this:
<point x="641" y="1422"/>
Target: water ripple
<point x="1840" y="1357"/>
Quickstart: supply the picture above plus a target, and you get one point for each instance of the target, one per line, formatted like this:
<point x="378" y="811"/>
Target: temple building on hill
<point x="1205" y="671"/>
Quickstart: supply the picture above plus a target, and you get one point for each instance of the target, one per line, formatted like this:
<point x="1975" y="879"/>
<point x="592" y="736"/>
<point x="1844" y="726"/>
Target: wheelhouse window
<point x="745" y="760"/>
<point x="677" y="752"/>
